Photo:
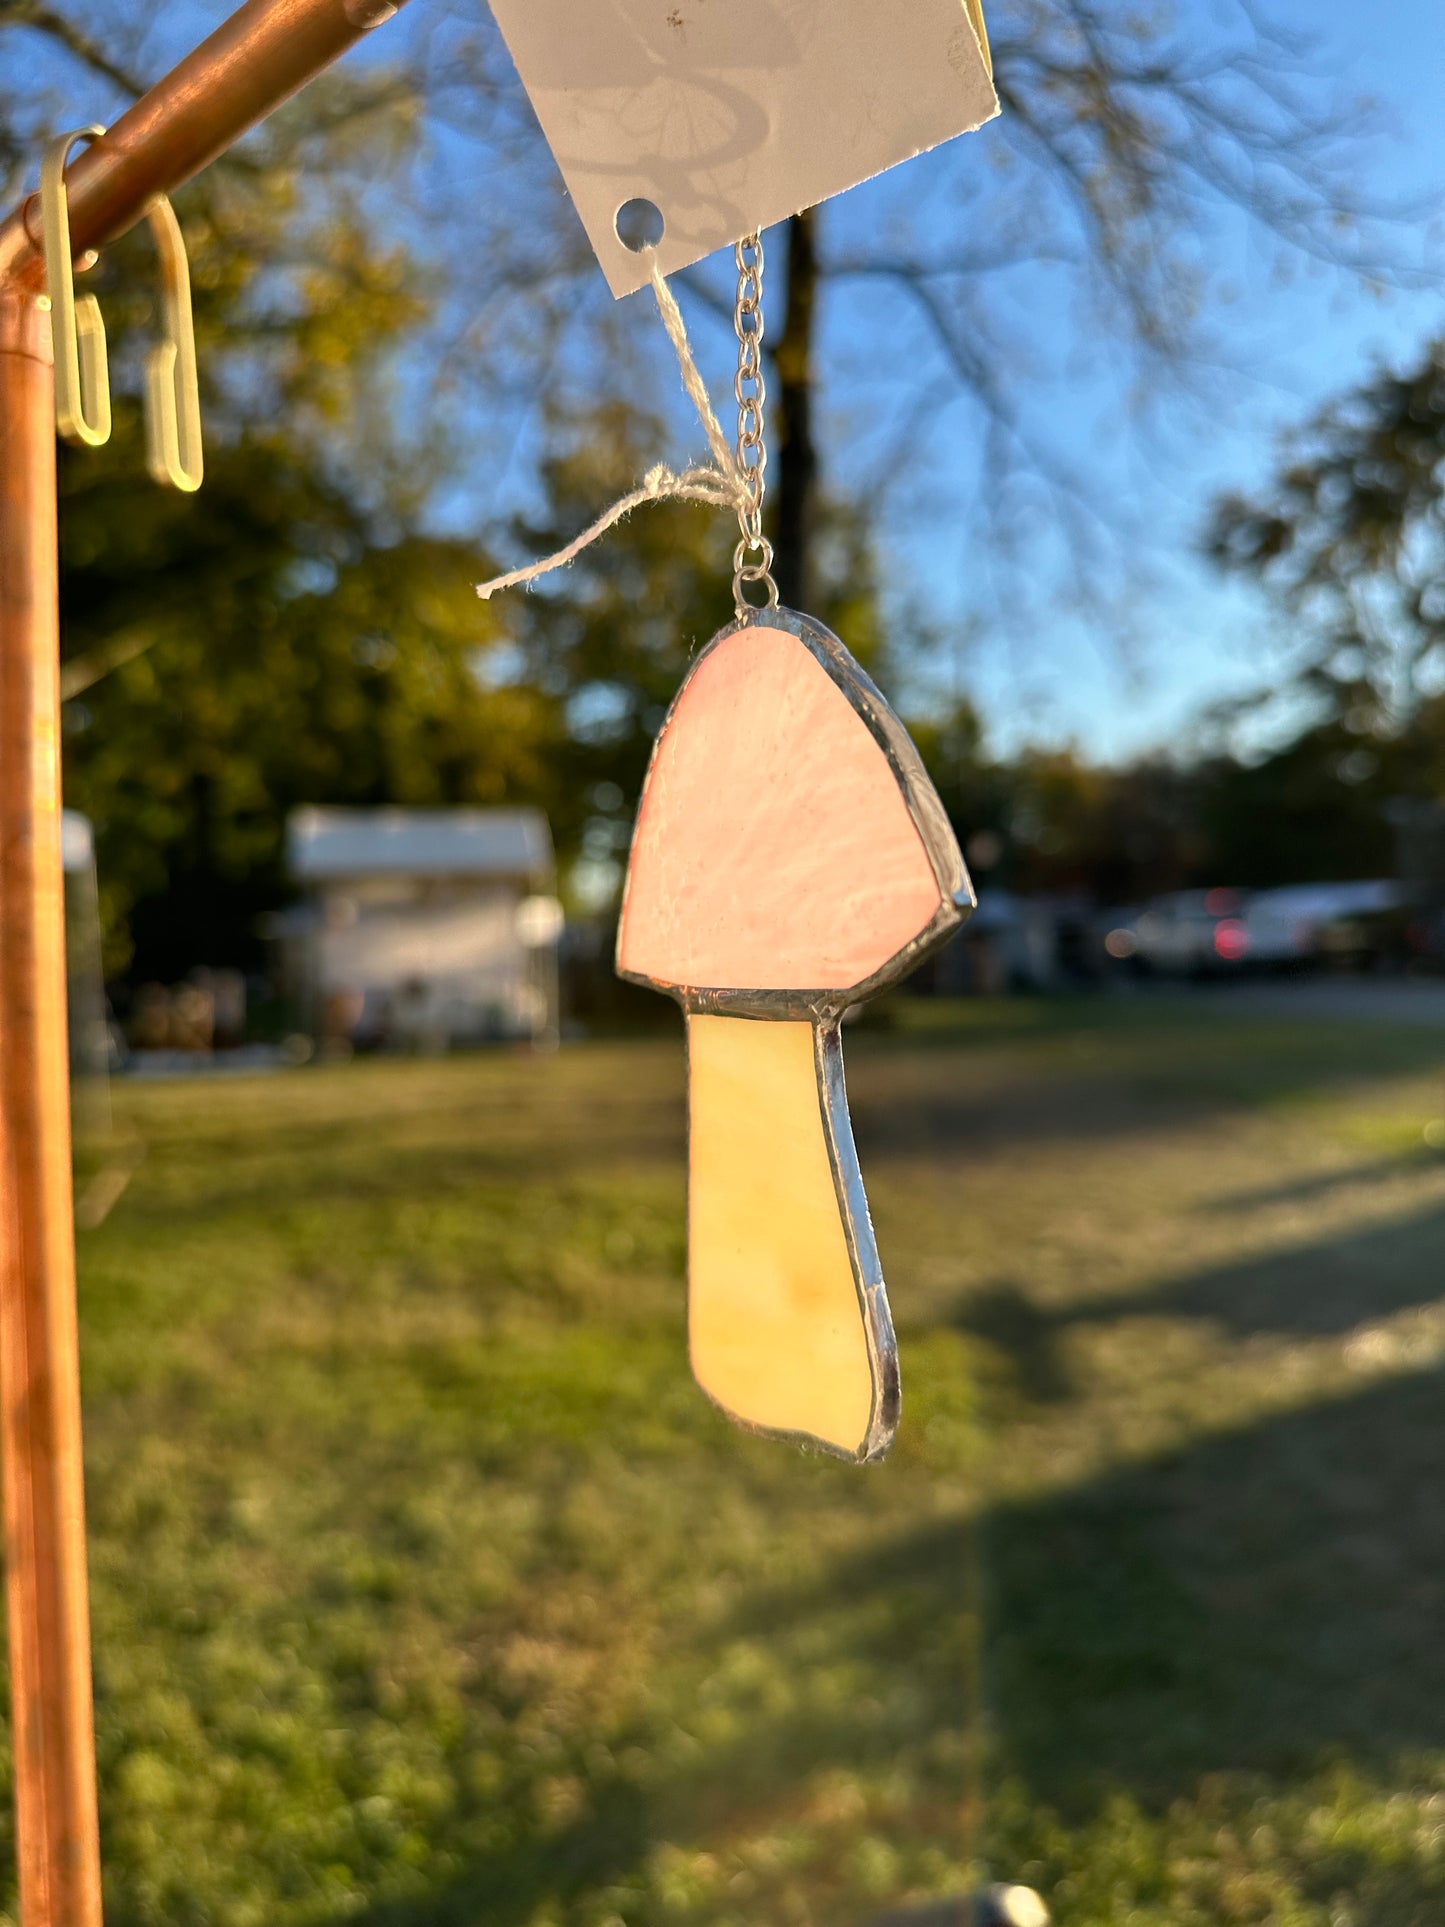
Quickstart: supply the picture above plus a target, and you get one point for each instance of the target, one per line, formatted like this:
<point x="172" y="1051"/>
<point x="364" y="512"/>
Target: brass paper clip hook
<point x="173" y="403"/>
<point x="82" y="373"/>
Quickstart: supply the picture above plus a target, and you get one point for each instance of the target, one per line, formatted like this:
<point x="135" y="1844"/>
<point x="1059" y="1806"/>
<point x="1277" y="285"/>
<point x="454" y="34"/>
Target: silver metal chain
<point x="753" y="556"/>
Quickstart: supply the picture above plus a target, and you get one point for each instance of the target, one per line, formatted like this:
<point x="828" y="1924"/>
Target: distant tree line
<point x="299" y="632"/>
<point x="305" y="630"/>
<point x="1347" y="540"/>
<point x="1319" y="808"/>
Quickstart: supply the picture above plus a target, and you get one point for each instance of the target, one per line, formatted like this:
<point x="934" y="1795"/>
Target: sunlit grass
<point x="428" y="1590"/>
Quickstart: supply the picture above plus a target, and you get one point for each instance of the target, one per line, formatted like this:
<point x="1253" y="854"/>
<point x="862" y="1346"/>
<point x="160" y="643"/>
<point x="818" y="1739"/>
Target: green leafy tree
<point x="296" y="632"/>
<point x="1349" y="538"/>
<point x="302" y="632"/>
<point x="1313" y="811"/>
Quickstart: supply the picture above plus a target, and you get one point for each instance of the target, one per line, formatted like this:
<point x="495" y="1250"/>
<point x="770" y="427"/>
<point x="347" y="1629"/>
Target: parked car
<point x="1305" y="923"/>
<point x="1189" y="933"/>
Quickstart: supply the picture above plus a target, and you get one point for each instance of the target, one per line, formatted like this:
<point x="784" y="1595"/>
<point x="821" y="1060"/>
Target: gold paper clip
<point x="82" y="372"/>
<point x="173" y="402"/>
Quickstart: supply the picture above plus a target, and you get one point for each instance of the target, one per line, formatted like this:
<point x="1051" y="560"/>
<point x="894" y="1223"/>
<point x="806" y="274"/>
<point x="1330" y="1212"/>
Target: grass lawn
<point x="428" y="1591"/>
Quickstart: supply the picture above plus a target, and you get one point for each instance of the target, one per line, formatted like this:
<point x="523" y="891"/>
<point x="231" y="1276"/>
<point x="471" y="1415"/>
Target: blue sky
<point x="1138" y="677"/>
<point x="1167" y="639"/>
<point x="1139" y="667"/>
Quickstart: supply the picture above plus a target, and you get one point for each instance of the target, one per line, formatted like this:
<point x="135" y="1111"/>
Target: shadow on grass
<point x="1401" y="1164"/>
<point x="508" y="1888"/>
<point x="1092" y="1081"/>
<point x="1103" y="1068"/>
<point x="1326" y="1288"/>
<point x="316" y="1169"/>
<point x="1263" y="1602"/>
<point x="1267" y="1601"/>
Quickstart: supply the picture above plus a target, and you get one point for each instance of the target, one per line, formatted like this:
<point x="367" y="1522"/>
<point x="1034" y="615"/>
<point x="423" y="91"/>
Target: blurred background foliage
<point x="375" y="394"/>
<point x="419" y="1600"/>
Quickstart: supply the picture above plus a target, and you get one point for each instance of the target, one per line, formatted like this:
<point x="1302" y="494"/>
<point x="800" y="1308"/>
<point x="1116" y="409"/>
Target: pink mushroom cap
<point x="778" y="845"/>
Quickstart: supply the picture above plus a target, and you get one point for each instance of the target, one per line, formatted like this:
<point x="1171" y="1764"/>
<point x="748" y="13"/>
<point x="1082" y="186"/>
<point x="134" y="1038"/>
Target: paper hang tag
<point x="729" y="115"/>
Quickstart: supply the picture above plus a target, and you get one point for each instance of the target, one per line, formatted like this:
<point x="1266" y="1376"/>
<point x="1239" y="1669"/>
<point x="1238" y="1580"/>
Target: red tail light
<point x="1231" y="940"/>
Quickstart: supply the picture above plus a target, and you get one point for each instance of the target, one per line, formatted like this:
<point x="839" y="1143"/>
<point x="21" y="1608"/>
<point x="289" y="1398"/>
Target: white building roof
<point x="335" y="843"/>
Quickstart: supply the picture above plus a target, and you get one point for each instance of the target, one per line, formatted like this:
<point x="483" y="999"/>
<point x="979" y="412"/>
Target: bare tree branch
<point x="63" y="31"/>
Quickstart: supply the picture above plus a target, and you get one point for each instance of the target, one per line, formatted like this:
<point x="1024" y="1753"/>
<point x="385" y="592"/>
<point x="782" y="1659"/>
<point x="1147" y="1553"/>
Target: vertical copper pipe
<point x="45" y="1577"/>
<point x="249" y="65"/>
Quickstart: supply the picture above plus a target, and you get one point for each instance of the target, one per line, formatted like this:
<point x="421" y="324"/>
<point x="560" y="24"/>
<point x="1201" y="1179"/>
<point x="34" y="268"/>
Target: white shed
<point x="424" y="928"/>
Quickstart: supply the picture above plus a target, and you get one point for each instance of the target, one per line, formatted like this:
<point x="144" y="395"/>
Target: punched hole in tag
<point x="639" y="225"/>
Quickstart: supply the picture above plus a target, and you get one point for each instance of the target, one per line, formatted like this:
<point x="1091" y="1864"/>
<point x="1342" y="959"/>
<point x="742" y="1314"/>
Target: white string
<point x="720" y="484"/>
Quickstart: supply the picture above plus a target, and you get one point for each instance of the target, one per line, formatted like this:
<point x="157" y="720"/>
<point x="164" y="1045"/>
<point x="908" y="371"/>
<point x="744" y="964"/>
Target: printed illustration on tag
<point x="706" y="119"/>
